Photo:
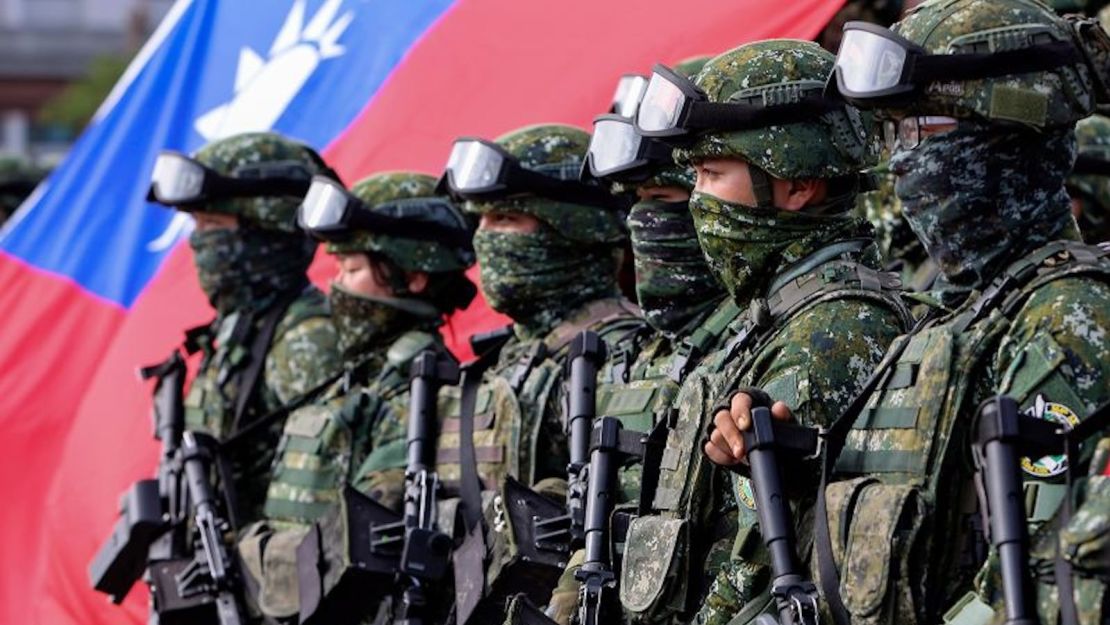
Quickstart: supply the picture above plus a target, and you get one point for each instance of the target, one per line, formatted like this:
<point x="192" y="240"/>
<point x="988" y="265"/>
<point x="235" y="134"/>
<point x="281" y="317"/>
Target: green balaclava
<point x="366" y="323"/>
<point x="539" y="278"/>
<point x="246" y="268"/>
<point x="746" y="246"/>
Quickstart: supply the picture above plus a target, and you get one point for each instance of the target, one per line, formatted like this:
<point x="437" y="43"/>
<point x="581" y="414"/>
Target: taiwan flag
<point x="94" y="281"/>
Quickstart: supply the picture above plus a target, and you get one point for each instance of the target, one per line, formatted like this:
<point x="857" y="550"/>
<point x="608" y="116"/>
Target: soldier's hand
<point x="726" y="443"/>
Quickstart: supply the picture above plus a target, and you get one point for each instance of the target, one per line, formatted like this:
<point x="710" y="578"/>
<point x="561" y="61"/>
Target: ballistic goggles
<point x="182" y="181"/>
<point x="674" y="108"/>
<point x="878" y="66"/>
<point x="331" y="213"/>
<point x="617" y="151"/>
<point x="626" y="99"/>
<point x="478" y="170"/>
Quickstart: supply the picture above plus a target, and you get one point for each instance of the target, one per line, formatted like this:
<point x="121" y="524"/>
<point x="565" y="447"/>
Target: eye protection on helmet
<point x="878" y="66"/>
<point x="181" y="181"/>
<point x="479" y="170"/>
<point x="331" y="213"/>
<point x="618" y="152"/>
<point x="906" y="133"/>
<point x="630" y="88"/>
<point x="675" y="109"/>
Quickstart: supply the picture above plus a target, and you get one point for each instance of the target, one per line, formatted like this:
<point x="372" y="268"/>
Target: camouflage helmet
<point x="558" y="151"/>
<point x="831" y="146"/>
<point x="1093" y="190"/>
<point x="1056" y="97"/>
<point x="227" y="156"/>
<point x="407" y="254"/>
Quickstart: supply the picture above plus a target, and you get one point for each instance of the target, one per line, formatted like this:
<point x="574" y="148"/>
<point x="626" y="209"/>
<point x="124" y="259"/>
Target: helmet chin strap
<point x="761" y="187"/>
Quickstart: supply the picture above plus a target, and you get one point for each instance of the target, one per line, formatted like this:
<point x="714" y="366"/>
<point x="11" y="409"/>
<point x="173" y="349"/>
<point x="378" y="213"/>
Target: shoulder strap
<point x="470" y="486"/>
<point x="595" y="313"/>
<point x="697" y="343"/>
<point x="248" y="381"/>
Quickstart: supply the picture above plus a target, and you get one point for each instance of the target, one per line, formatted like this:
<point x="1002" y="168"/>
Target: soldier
<point x="388" y="300"/>
<point x="271" y="339"/>
<point x="685" y="307"/>
<point x="777" y="170"/>
<point x="981" y="131"/>
<point x="1089" y="184"/>
<point x="548" y="249"/>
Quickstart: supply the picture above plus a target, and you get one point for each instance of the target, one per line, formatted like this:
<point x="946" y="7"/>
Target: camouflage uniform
<point x="900" y="248"/>
<point x="1028" y="310"/>
<point x="1090" y="191"/>
<point x="553" y="283"/>
<point x="805" y="282"/>
<point x="254" y="277"/>
<point x="361" y="416"/>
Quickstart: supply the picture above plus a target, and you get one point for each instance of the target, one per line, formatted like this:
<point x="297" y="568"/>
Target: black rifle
<point x="383" y="546"/>
<point x="1003" y="436"/>
<point x="152" y="512"/>
<point x="212" y="575"/>
<point x="565" y="532"/>
<point x="612" y="447"/>
<point x="794" y="593"/>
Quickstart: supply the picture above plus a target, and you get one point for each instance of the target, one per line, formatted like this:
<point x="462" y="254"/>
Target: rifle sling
<point x="470" y="486"/>
<point x="248" y="382"/>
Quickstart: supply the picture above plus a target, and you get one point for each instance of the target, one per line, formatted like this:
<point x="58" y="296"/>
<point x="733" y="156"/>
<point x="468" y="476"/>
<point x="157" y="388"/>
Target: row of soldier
<point x="779" y="432"/>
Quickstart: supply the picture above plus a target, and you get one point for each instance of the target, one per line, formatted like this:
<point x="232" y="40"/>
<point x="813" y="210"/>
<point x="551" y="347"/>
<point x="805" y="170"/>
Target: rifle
<point x="1003" y="436"/>
<point x="152" y="512"/>
<point x="211" y="574"/>
<point x="382" y="545"/>
<point x="794" y="593"/>
<point x="565" y="532"/>
<point x="611" y="448"/>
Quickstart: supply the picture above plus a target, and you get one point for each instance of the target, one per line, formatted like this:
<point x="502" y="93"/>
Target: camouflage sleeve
<point x="1055" y="360"/>
<point x="301" y="358"/>
<point x="382" y="474"/>
<point x="820" y="359"/>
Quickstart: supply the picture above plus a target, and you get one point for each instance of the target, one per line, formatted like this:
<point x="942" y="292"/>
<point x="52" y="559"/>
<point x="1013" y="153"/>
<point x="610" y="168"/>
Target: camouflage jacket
<point x="903" y="486"/>
<point x="361" y="417"/>
<point x="301" y="354"/>
<point x="810" y="342"/>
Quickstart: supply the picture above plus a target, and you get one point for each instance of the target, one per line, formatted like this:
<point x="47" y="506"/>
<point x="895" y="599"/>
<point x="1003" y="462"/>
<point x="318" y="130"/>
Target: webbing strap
<point x="470" y="487"/>
<point x="248" y="382"/>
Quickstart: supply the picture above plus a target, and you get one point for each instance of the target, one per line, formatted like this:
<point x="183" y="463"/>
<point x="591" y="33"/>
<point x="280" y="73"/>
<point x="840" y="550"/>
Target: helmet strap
<point x="761" y="187"/>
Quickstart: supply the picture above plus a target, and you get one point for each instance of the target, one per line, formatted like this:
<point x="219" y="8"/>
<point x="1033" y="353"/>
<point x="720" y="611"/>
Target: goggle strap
<point x="730" y="116"/>
<point x="362" y="218"/>
<point x="958" y="67"/>
<point x="570" y="191"/>
<point x="762" y="187"/>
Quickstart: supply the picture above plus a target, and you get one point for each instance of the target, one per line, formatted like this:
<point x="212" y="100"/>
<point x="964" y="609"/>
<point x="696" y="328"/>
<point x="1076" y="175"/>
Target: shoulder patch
<point x="1049" y="466"/>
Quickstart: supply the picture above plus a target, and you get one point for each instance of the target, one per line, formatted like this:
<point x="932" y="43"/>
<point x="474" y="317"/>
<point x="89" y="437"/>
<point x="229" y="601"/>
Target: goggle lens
<point x="626" y="99"/>
<point x="614" y="145"/>
<point x="176" y="178"/>
<point x="868" y="62"/>
<point x="474" y="166"/>
<point x="323" y="205"/>
<point x="661" y="105"/>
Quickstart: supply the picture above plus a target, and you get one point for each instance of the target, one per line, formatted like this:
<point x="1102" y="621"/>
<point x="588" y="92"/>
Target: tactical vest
<point x="510" y="404"/>
<point x="325" y="442"/>
<point x="665" y="550"/>
<point x="647" y="396"/>
<point x="902" y="495"/>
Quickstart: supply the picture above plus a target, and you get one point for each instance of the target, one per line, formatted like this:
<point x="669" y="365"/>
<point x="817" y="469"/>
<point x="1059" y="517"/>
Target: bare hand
<point x="726" y="444"/>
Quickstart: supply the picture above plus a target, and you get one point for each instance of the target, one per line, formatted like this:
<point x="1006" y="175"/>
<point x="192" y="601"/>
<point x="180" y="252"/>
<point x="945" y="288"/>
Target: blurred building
<point x="47" y="44"/>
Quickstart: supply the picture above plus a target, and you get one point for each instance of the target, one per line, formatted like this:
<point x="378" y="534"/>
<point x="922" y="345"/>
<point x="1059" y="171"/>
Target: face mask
<point x="673" y="282"/>
<point x="747" y="246"/>
<point x="979" y="198"/>
<point x="541" y="277"/>
<point x="244" y="268"/>
<point x="363" y="322"/>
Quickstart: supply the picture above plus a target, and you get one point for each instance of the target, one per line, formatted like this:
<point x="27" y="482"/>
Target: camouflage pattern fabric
<point x="539" y="278"/>
<point x="362" y="320"/>
<point x="302" y="354"/>
<point x="1011" y="181"/>
<point x="900" y="248"/>
<point x="1048" y="99"/>
<point x="240" y="268"/>
<point x="746" y="246"/>
<point x="834" y="145"/>
<point x="673" y="282"/>
<point x="1090" y="191"/>
<point x="227" y="156"/>
<point x="407" y="254"/>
